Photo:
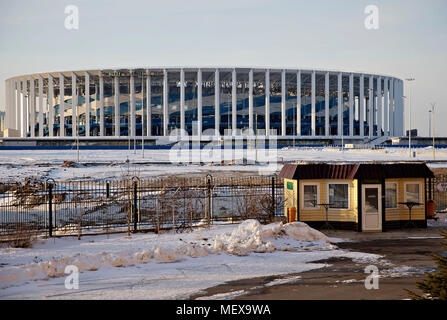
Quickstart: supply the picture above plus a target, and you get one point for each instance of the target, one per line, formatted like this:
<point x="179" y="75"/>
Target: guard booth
<point x="366" y="197"/>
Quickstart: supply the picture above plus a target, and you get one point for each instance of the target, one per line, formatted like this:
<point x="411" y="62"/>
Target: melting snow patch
<point x="223" y="296"/>
<point x="286" y="280"/>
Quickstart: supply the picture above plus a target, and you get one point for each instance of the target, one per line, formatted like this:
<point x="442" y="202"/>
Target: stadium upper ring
<point x="167" y="101"/>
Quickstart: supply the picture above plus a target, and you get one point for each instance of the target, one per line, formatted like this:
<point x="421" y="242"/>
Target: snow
<point x="405" y="271"/>
<point x="441" y="222"/>
<point x="164" y="266"/>
<point x="285" y="280"/>
<point x="223" y="296"/>
<point x="111" y="164"/>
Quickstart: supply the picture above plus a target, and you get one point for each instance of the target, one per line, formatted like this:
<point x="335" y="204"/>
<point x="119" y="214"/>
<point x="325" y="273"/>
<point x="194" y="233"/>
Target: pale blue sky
<point x="411" y="40"/>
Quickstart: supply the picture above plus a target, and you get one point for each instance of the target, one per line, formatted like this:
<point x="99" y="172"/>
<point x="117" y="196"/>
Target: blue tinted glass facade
<point x="117" y="102"/>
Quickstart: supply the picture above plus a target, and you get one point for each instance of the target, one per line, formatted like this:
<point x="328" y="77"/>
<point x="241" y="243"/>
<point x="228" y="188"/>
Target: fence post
<point x="208" y="198"/>
<point x="50" y="209"/>
<point x="273" y="199"/>
<point x="135" y="203"/>
<point x="108" y="189"/>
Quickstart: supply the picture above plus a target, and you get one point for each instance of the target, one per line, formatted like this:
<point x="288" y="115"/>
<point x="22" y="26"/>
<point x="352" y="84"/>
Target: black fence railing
<point x="58" y="208"/>
<point x="440" y="192"/>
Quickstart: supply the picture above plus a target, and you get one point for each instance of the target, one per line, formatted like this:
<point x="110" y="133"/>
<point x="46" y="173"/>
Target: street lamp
<point x="432" y="111"/>
<point x="409" y="114"/>
<point x="142" y="113"/>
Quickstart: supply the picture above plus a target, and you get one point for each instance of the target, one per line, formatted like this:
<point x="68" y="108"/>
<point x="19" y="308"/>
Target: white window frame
<point x="420" y="191"/>
<point x="349" y="195"/>
<point x="397" y="194"/>
<point x="302" y="195"/>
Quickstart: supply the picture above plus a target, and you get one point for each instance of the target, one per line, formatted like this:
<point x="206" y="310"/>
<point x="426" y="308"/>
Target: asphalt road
<point x="404" y="262"/>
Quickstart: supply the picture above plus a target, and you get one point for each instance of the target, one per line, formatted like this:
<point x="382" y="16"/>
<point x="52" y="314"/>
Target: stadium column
<point x="362" y="106"/>
<point x="401" y="108"/>
<point x="9" y="103"/>
<point x="182" y="102"/>
<point x="217" y="102"/>
<point x="234" y="103"/>
<point x="10" y="123"/>
<point x="250" y="102"/>
<point x="298" y="103"/>
<point x="391" y="107"/>
<point x="199" y="102"/>
<point x="385" y="107"/>
<point x="61" y="105"/>
<point x="351" y="105"/>
<point x="339" y="105"/>
<point x="283" y="102"/>
<point x="149" y="103"/>
<point x="31" y="103"/>
<point x="267" y="102"/>
<point x="165" y="102"/>
<point x="117" y="119"/>
<point x="370" y="107"/>
<point x="87" y="104"/>
<point x="40" y="119"/>
<point x="32" y="107"/>
<point x="326" y="104"/>
<point x="132" y="105"/>
<point x="74" y="106"/>
<point x="101" y="104"/>
<point x="379" y="106"/>
<point x="25" y="113"/>
<point x="18" y="105"/>
<point x="7" y="107"/>
<point x="50" y="106"/>
<point x="313" y="105"/>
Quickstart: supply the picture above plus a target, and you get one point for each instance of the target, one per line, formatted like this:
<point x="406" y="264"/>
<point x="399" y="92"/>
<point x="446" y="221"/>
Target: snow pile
<point x="166" y="255"/>
<point x="296" y="230"/>
<point x="245" y="239"/>
<point x="248" y="237"/>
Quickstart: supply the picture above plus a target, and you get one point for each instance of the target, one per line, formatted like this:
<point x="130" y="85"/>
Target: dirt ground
<point x="344" y="279"/>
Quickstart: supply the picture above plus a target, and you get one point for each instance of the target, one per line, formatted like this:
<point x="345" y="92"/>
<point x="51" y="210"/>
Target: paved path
<point x="405" y="261"/>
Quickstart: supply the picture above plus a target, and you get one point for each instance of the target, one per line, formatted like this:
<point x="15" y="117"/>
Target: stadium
<point x="115" y="104"/>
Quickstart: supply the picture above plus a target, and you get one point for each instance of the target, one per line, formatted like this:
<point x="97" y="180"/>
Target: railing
<point x="134" y="204"/>
<point x="440" y="192"/>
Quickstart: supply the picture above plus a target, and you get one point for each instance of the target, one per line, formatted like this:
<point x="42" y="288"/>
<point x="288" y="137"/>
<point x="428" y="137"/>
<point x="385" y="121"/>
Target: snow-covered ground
<point x="106" y="164"/>
<point x="166" y="266"/>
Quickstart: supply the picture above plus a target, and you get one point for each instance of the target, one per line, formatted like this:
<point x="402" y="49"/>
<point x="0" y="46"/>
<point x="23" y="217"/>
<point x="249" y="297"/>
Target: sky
<point x="410" y="42"/>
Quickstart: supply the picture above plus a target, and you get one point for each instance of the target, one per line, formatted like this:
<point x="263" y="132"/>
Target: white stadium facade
<point x="114" y="104"/>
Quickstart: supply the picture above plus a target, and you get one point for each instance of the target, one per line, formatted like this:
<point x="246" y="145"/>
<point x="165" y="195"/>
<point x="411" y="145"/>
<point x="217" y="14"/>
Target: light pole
<point x="77" y="130"/>
<point x="142" y="112"/>
<point x="429" y="123"/>
<point x="256" y="137"/>
<point x="409" y="114"/>
<point x="432" y="111"/>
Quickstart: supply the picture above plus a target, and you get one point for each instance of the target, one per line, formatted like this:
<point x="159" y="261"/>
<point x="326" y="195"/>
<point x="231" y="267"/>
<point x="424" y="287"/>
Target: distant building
<point x="154" y="102"/>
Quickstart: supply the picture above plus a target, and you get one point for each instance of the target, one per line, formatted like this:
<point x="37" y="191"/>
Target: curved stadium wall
<point x="186" y="101"/>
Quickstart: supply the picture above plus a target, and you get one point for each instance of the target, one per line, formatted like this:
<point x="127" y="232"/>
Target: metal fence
<point x="134" y="204"/>
<point x="440" y="192"/>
